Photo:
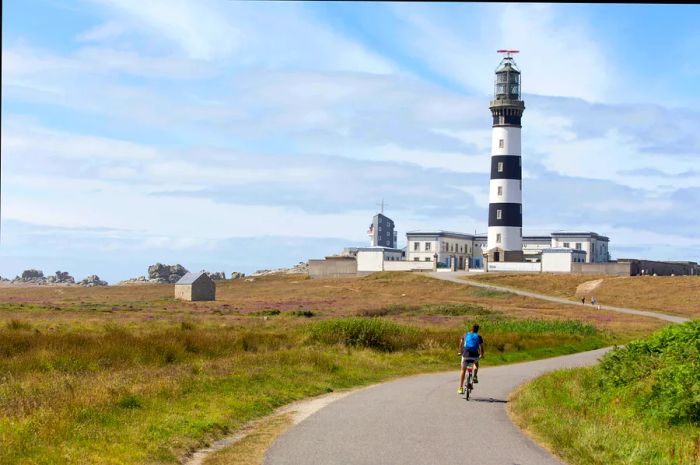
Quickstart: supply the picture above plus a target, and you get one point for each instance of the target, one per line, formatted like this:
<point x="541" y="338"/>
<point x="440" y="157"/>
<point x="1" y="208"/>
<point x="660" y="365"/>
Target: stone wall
<point x="333" y="267"/>
<point x="609" y="268"/>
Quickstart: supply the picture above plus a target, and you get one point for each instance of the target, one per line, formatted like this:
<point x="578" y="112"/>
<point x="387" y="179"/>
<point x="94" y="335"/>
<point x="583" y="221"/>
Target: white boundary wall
<point x="405" y="265"/>
<point x="515" y="266"/>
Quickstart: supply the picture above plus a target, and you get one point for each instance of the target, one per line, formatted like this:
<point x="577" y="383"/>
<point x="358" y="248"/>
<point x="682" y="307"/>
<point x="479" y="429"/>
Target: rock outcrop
<point x="237" y="275"/>
<point x="301" y="267"/>
<point x="61" y="277"/>
<point x="138" y="280"/>
<point x="92" y="280"/>
<point x="215" y="275"/>
<point x="164" y="274"/>
<point x="31" y="276"/>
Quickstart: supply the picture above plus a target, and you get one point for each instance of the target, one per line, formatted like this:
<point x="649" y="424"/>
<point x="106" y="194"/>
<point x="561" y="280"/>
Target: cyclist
<point x="471" y="346"/>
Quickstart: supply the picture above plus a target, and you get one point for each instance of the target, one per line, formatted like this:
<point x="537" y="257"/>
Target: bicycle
<point x="469" y="379"/>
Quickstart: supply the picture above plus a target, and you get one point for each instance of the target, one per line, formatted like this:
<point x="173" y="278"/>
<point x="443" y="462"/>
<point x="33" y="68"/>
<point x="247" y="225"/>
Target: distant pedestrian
<point x="583" y="300"/>
<point x="593" y="301"/>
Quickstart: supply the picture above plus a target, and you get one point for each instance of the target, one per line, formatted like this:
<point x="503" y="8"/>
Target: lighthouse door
<point x="497" y="256"/>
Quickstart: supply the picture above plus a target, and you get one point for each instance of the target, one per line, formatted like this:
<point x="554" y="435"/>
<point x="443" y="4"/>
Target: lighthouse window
<point x="498" y="214"/>
<point x="498" y="238"/>
<point x="500" y="190"/>
<point x="500" y="166"/>
<point x="500" y="143"/>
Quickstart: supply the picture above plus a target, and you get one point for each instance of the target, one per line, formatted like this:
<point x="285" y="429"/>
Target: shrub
<point x="372" y="333"/>
<point x="269" y="312"/>
<point x="660" y="373"/>
<point x="393" y="309"/>
<point x="18" y="324"/>
<point x="303" y="313"/>
<point x="129" y="401"/>
<point x="459" y="310"/>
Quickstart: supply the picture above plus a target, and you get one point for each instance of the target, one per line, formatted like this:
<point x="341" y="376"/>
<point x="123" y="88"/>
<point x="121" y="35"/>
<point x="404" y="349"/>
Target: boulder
<point x="31" y="276"/>
<point x="162" y="274"/>
<point x="92" y="280"/>
<point x="61" y="277"/>
<point x="215" y="275"/>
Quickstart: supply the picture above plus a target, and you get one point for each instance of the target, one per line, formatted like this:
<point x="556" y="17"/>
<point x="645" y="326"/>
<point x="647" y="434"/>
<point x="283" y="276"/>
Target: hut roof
<point x="190" y="278"/>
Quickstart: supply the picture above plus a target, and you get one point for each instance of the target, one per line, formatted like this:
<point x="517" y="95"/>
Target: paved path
<point x="459" y="277"/>
<point x="421" y="420"/>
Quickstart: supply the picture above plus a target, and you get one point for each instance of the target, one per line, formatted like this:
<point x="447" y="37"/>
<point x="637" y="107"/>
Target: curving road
<point x="421" y="420"/>
<point x="458" y="277"/>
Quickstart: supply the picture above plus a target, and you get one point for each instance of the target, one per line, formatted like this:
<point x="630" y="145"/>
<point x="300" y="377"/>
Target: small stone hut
<point x="195" y="286"/>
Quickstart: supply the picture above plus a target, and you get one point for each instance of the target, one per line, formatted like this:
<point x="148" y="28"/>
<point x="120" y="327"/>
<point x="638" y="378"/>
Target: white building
<point x="559" y="259"/>
<point x="453" y="250"/>
<point x="595" y="245"/>
<point x="370" y="259"/>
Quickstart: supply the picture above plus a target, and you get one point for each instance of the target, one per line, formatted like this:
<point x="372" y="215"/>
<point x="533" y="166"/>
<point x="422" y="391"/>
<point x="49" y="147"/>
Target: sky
<point x="236" y="136"/>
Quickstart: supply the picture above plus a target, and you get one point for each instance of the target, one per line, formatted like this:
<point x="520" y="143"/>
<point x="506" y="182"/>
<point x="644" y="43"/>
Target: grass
<point x="641" y="405"/>
<point x="129" y="375"/>
<point x="251" y="449"/>
<point x="670" y="294"/>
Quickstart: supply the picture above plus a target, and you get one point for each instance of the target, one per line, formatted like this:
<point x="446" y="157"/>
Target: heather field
<point x="127" y="375"/>
<point x="678" y="295"/>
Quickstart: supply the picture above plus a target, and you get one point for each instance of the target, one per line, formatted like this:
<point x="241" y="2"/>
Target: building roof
<point x="563" y="250"/>
<point x="440" y="233"/>
<point x="190" y="278"/>
<point x="580" y="234"/>
<point x="537" y="238"/>
<point x="377" y="249"/>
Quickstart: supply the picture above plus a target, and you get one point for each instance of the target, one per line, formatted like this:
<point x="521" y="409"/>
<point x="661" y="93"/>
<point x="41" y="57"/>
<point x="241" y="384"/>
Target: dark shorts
<point x="469" y="356"/>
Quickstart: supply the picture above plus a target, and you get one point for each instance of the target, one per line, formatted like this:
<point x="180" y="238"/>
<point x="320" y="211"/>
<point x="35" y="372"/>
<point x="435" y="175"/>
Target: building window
<point x="416" y="259"/>
<point x="566" y="244"/>
<point x="500" y="143"/>
<point x="416" y="246"/>
<point x="427" y="259"/>
<point x="498" y="214"/>
<point x="578" y="245"/>
<point x="427" y="246"/>
<point x="498" y="238"/>
<point x="500" y="190"/>
<point x="500" y="167"/>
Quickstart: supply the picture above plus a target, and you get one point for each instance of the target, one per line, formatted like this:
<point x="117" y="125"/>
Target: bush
<point x="304" y="313"/>
<point x="393" y="309"/>
<point x="371" y="333"/>
<point x="18" y="324"/>
<point x="660" y="373"/>
<point x="459" y="310"/>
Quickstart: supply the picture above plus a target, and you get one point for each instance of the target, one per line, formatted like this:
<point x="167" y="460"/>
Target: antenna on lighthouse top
<point x="507" y="52"/>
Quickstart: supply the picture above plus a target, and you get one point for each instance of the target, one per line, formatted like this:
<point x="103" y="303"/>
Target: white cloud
<point x="559" y="54"/>
<point x="104" y="32"/>
<point x="197" y="27"/>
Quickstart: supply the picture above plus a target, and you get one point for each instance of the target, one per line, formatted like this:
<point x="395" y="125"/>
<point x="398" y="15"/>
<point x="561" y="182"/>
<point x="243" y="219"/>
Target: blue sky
<point x="243" y="135"/>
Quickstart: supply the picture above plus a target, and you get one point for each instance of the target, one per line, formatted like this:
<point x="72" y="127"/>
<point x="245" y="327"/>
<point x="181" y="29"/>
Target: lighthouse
<point x="505" y="232"/>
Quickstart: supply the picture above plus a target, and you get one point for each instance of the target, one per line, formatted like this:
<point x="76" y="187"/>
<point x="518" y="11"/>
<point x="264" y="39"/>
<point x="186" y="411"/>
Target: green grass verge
<point x="135" y="395"/>
<point x="640" y="406"/>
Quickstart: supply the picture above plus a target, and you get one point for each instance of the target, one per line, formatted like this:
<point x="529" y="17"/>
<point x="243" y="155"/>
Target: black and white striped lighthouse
<point x="505" y="233"/>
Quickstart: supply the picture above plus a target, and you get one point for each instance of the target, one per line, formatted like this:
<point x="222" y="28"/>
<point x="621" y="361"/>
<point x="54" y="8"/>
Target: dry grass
<point x="127" y="374"/>
<point x="243" y="303"/>
<point x="251" y="449"/>
<point x="679" y="295"/>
